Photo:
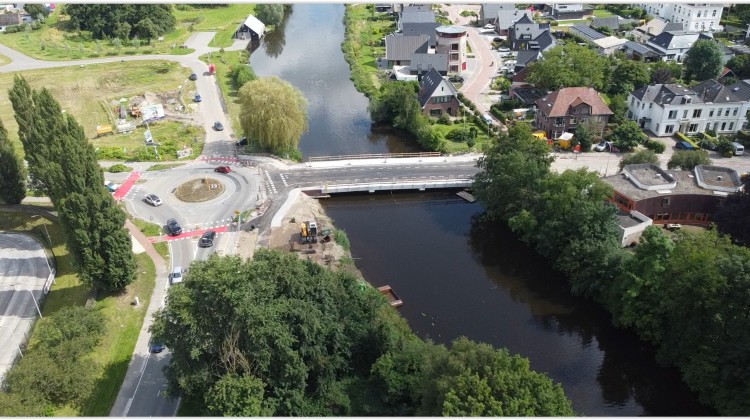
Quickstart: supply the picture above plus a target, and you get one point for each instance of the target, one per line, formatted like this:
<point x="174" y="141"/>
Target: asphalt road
<point x="23" y="270"/>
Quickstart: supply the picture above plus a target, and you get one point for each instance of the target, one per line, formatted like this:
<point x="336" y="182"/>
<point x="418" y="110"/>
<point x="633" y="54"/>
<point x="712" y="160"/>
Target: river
<point x="457" y="277"/>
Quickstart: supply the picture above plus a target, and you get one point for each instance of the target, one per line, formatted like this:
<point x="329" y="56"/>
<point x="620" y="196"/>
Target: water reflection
<point x="274" y="41"/>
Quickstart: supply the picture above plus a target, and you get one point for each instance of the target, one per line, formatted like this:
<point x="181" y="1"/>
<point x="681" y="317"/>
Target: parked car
<point x="156" y="347"/>
<point x="218" y="126"/>
<point x="683" y="145"/>
<point x="111" y="186"/>
<point x="456" y="79"/>
<point x="193" y="76"/>
<point x="153" y="199"/>
<point x="223" y="169"/>
<point x="173" y="228"/>
<point x="207" y="239"/>
<point x="197" y="98"/>
<point x="242" y="141"/>
<point x="497" y="39"/>
<point x="175" y="276"/>
<point x="489" y="26"/>
<point x="504" y="49"/>
<point x="602" y="146"/>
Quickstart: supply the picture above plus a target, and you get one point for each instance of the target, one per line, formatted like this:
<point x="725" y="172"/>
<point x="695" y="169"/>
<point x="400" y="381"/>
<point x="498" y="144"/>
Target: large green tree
<point x="703" y="61"/>
<point x="270" y="14"/>
<point x="688" y="159"/>
<point x="102" y="20"/>
<point x="733" y="215"/>
<point x="641" y="156"/>
<point x="12" y="171"/>
<point x="569" y="65"/>
<point x="273" y="113"/>
<point x="629" y="75"/>
<point x="626" y="136"/>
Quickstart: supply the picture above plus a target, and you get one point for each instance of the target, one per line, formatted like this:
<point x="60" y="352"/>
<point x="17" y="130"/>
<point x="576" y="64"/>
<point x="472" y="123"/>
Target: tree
<point x="641" y="156"/>
<point x="122" y="30"/>
<point x="626" y="136"/>
<point x="619" y="107"/>
<point x="147" y="29"/>
<point x="584" y="136"/>
<point x="103" y="20"/>
<point x="733" y="215"/>
<point x="241" y="74"/>
<point x="270" y="14"/>
<point x="237" y="396"/>
<point x="273" y="113"/>
<point x="12" y="171"/>
<point x="664" y="72"/>
<point x="703" y="61"/>
<point x="36" y="9"/>
<point x="567" y="66"/>
<point x="688" y="159"/>
<point x="629" y="75"/>
<point x="740" y="65"/>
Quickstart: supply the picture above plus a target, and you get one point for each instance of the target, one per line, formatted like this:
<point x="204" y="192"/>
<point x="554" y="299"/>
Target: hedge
<point x="687" y="139"/>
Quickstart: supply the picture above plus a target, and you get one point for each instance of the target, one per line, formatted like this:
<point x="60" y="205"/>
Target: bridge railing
<point x="374" y="156"/>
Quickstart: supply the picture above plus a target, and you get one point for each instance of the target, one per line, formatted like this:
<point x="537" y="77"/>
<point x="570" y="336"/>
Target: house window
<point x="559" y="121"/>
<point x="657" y="127"/>
<point x="708" y="126"/>
<point x="734" y="112"/>
<point x="692" y="128"/>
<point x="711" y="112"/>
<point x="573" y="120"/>
<point x="643" y="105"/>
<point x="632" y="101"/>
<point x="672" y="114"/>
<point x="696" y="113"/>
<point x="699" y="14"/>
<point x="435" y="112"/>
<point x="714" y="14"/>
<point x="731" y="126"/>
<point x="665" y="202"/>
<point x="684" y="114"/>
<point x="726" y="113"/>
<point x="454" y="56"/>
<point x="650" y="105"/>
<point x="723" y="126"/>
<point x="718" y="113"/>
<point x="454" y="47"/>
<point x="668" y="129"/>
<point x="454" y="68"/>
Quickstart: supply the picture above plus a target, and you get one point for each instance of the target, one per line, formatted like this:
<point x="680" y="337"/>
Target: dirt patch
<point x="199" y="190"/>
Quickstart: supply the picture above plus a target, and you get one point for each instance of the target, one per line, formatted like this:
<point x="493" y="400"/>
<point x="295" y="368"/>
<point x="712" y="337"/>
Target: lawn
<point x="55" y="41"/>
<point x="148" y="228"/>
<point x="456" y="147"/>
<point x="163" y="249"/>
<point x="4" y="60"/>
<point x="223" y="20"/>
<point x="123" y="320"/>
<point x="86" y="92"/>
<point x="363" y="45"/>
<point x="602" y="13"/>
<point x="224" y="62"/>
<point x="163" y="166"/>
<point x="169" y="135"/>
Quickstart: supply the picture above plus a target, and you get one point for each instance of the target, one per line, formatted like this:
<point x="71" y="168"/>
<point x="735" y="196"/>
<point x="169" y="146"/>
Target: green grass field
<point x="4" y="60"/>
<point x="148" y="228"/>
<point x="456" y="147"/>
<point x="163" y="249"/>
<point x="223" y="20"/>
<point x="224" y="62"/>
<point x="602" y="13"/>
<point x="84" y="92"/>
<point x="123" y="320"/>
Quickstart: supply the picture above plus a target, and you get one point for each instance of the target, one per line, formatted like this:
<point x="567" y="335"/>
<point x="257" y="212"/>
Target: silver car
<point x="153" y="199"/>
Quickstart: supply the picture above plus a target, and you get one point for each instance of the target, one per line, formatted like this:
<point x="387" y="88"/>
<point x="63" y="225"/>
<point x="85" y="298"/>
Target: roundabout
<point x="199" y="190"/>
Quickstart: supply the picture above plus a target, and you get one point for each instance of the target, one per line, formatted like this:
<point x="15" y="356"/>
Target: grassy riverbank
<point x="362" y="45"/>
<point x="224" y="62"/>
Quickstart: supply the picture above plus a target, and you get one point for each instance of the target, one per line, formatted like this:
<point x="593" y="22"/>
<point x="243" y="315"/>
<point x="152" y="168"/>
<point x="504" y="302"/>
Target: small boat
<point x="389" y="294"/>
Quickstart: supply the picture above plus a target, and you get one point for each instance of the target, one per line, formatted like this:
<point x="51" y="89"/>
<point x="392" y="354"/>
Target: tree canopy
<point x="629" y="75"/>
<point x="569" y="65"/>
<point x="703" y="61"/>
<point x="627" y="136"/>
<point x="102" y="20"/>
<point x="12" y="171"/>
<point x="273" y="113"/>
<point x="281" y="336"/>
<point x="641" y="156"/>
<point x="270" y="14"/>
<point x="688" y="159"/>
<point x="733" y="215"/>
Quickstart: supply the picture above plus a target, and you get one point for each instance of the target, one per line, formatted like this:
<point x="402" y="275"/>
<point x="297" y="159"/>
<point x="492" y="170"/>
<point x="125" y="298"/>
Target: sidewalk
<point x="130" y="382"/>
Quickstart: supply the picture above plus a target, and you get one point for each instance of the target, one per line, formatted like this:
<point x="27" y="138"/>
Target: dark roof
<point x="420" y="13"/>
<point x="507" y="18"/>
<point x="558" y="103"/>
<point x="400" y="47"/>
<point x="674" y="39"/>
<point x="421" y="28"/>
<point x="545" y="40"/>
<point x="612" y="22"/>
<point x="429" y="85"/>
<point x="526" y="57"/>
<point x="713" y="91"/>
<point x="489" y="10"/>
<point x="529" y="96"/>
<point x="674" y="26"/>
<point x="524" y="19"/>
<point x="424" y="62"/>
<point x="584" y="31"/>
<point x="641" y="49"/>
<point x="663" y="93"/>
<point x="741" y="90"/>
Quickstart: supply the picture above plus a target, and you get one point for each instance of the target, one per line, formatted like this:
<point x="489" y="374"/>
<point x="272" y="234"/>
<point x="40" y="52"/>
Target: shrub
<point x="444" y="119"/>
<point x="655" y="146"/>
<point x="340" y="237"/>
<point x="119" y="167"/>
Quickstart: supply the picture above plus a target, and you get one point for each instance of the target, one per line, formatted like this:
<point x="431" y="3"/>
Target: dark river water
<point x="459" y="278"/>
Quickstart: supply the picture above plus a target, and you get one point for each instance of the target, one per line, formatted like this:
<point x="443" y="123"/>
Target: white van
<point x="176" y="275"/>
<point x="487" y="119"/>
<point x="738" y="149"/>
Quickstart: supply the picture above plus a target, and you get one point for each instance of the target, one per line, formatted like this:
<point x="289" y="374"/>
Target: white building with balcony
<point x="665" y="109"/>
<point x="695" y="16"/>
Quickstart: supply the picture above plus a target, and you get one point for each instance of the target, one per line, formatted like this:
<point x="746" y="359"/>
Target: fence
<point x="375" y="156"/>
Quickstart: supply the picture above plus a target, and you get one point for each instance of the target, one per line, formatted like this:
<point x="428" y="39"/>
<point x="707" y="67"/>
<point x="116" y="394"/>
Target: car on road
<point x="193" y="76"/>
<point x="504" y="49"/>
<point x="173" y="228"/>
<point x="223" y="169"/>
<point x="489" y="26"/>
<point x="218" y="126"/>
<point x="456" y="79"/>
<point x="175" y="276"/>
<point x="197" y="98"/>
<point x="153" y="199"/>
<point x="602" y="146"/>
<point x="207" y="239"/>
<point x="156" y="346"/>
<point x="111" y="186"/>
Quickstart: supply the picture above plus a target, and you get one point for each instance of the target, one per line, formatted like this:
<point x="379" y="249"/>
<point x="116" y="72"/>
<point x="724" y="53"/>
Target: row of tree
<point x="62" y="165"/>
<point x="279" y="336"/>
<point x="688" y="296"/>
<point x="122" y="21"/>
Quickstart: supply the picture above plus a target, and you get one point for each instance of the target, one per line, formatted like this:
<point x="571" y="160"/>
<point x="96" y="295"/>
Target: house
<point x="673" y="44"/>
<point x="667" y="108"/>
<point x="488" y="11"/>
<point x="251" y="28"/>
<point x="612" y="23"/>
<point x="400" y="48"/>
<point x="384" y="8"/>
<point x="422" y="62"/>
<point x="506" y="18"/>
<point x="421" y="28"/>
<point x="437" y="95"/>
<point x="694" y="16"/>
<point x="568" y="10"/>
<point x="528" y="96"/>
<point x="562" y="110"/>
<point x="525" y="34"/>
<point x="640" y="52"/>
<point x="609" y="45"/>
<point x="415" y="14"/>
<point x="524" y="58"/>
<point x="10" y="19"/>
<point x="653" y="28"/>
<point x="452" y="41"/>
<point x="586" y="33"/>
<point x="674" y="196"/>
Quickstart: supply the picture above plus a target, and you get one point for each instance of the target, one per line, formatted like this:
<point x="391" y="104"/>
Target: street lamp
<point x="18" y="343"/>
<point x="36" y="305"/>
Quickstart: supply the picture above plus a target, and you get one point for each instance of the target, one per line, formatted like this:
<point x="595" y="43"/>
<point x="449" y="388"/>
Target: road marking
<point x="270" y="184"/>
<point x="283" y="179"/>
<point x="143" y="370"/>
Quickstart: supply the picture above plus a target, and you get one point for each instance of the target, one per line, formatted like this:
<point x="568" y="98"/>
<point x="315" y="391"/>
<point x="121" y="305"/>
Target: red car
<point x="223" y="169"/>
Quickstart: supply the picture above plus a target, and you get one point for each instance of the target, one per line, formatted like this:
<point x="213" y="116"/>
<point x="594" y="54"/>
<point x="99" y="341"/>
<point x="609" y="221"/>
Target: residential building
<point x="524" y="58"/>
<point x="452" y="41"/>
<point x="695" y="16"/>
<point x="415" y="14"/>
<point x="586" y="33"/>
<point x="400" y="48"/>
<point x="528" y="96"/>
<point x="653" y="28"/>
<point x="10" y="19"/>
<point x="640" y="52"/>
<point x="251" y="28"/>
<point x="506" y="18"/>
<point x="609" y="45"/>
<point x="437" y="96"/>
<point x="674" y="196"/>
<point x="420" y="28"/>
<point x="665" y="109"/>
<point x="564" y="11"/>
<point x="673" y="44"/>
<point x="525" y="34"/>
<point x="562" y="110"/>
<point x="488" y="11"/>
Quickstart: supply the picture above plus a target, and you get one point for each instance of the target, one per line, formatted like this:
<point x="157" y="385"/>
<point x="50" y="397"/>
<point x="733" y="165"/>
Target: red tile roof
<point x="557" y="103"/>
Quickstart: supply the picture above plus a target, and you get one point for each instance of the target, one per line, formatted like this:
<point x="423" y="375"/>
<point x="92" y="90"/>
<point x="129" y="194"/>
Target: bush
<point x="119" y="167"/>
<point x="655" y="146"/>
<point x="444" y="119"/>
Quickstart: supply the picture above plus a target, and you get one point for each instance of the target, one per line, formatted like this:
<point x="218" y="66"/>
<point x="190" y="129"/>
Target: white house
<point x="673" y="44"/>
<point x="665" y="109"/>
<point x="609" y="45"/>
<point x="695" y="16"/>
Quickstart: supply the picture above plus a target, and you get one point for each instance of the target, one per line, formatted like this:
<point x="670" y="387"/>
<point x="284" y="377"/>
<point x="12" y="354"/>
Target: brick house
<point x="437" y="95"/>
<point x="562" y="110"/>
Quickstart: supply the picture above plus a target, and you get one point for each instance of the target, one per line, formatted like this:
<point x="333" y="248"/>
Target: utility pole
<point x="13" y="333"/>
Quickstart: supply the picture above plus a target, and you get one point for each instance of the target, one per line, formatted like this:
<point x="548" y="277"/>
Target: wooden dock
<point x="466" y="196"/>
<point x="389" y="294"/>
